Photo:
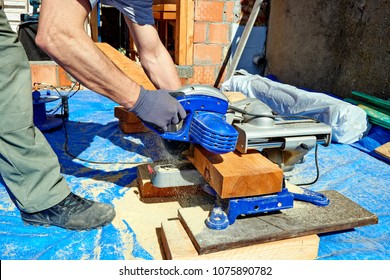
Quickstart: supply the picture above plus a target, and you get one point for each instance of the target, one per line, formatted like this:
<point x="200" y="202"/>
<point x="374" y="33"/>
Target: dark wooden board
<point x="303" y="219"/>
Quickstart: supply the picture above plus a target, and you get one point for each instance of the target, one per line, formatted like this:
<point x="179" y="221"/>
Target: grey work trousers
<point x="28" y="165"/>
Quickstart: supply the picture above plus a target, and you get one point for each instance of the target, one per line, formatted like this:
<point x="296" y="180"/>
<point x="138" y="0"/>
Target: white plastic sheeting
<point x="349" y="123"/>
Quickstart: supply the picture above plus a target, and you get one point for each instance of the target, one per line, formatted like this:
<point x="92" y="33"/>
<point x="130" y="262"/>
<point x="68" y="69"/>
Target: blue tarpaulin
<point x="93" y="136"/>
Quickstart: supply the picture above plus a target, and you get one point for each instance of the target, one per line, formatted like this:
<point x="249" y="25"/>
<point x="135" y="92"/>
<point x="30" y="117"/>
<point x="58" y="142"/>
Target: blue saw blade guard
<point x="205" y="124"/>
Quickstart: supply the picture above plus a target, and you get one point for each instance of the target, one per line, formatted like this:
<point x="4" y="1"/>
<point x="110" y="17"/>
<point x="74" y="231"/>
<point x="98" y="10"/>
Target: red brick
<point x="218" y="33"/>
<point x="204" y="75"/>
<point x="63" y="78"/>
<point x="229" y="15"/>
<point x="200" y="32"/>
<point x="205" y="54"/>
<point x="211" y="11"/>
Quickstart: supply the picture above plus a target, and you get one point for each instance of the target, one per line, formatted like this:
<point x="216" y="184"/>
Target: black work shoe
<point x="73" y="212"/>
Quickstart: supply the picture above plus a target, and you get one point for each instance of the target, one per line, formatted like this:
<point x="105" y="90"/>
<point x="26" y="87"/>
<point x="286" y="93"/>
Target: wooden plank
<point x="127" y="66"/>
<point x="384" y="150"/>
<point x="301" y="220"/>
<point x="129" y="128"/>
<point x="238" y="175"/>
<point x="124" y="115"/>
<point x="184" y="35"/>
<point x="94" y="24"/>
<point x="164" y="8"/>
<point x="178" y="246"/>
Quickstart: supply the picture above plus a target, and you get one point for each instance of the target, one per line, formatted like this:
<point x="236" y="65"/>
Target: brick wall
<point x="213" y="25"/>
<point x="212" y="32"/>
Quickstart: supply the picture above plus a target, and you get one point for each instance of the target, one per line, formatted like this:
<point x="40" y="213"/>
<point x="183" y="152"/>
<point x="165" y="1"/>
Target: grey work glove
<point x="158" y="109"/>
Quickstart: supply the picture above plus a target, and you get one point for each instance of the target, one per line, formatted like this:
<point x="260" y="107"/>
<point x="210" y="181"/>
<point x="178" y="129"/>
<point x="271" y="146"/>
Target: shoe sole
<point x="40" y="223"/>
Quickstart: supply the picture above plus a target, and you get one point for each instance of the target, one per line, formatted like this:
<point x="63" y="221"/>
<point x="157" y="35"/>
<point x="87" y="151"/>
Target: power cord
<point x="67" y="151"/>
<point x="64" y="115"/>
<point x="317" y="169"/>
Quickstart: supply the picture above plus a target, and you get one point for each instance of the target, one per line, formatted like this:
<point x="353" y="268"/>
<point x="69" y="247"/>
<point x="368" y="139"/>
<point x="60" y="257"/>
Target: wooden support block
<point x="128" y="121"/>
<point x="238" y="175"/>
<point x="148" y="191"/>
<point x="125" y="116"/>
<point x="384" y="150"/>
<point x="178" y="246"/>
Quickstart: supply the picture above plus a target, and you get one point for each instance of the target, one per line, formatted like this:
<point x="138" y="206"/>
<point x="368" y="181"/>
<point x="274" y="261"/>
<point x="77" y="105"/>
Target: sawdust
<point x="145" y="220"/>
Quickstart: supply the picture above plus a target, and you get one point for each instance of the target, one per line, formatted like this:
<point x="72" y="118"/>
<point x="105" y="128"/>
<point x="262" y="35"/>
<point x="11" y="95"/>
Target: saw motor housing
<point x="283" y="140"/>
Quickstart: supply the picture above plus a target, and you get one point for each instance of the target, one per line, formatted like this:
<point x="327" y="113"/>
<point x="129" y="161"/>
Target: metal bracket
<point x="226" y="211"/>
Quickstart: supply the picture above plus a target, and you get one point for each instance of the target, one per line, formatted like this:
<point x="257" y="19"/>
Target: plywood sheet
<point x="384" y="150"/>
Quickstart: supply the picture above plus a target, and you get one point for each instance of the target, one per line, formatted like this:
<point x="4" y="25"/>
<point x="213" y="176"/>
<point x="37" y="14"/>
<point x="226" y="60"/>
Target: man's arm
<point x="154" y="57"/>
<point x="62" y="36"/>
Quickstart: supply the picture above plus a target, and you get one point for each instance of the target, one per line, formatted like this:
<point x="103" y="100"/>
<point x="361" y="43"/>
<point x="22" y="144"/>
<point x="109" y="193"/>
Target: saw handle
<point x="192" y="104"/>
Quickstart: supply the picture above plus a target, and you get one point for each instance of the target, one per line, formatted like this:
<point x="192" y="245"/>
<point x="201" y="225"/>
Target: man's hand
<point x="158" y="109"/>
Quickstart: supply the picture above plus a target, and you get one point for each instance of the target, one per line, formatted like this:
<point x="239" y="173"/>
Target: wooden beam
<point x="238" y="175"/>
<point x="127" y="66"/>
<point x="94" y="24"/>
<point x="184" y="32"/>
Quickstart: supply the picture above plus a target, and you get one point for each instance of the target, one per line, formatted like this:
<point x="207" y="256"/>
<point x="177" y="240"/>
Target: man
<point x="62" y="36"/>
<point x="28" y="166"/>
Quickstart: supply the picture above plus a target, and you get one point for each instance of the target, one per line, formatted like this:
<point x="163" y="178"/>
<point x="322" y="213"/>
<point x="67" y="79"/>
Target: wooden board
<point x="178" y="246"/>
<point x="304" y="219"/>
<point x="124" y="115"/>
<point x="128" y="121"/>
<point x="184" y="34"/>
<point x="127" y="66"/>
<point x="384" y="150"/>
<point x="238" y="175"/>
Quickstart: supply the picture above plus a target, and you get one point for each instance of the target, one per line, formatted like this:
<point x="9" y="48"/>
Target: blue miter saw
<point x="221" y="127"/>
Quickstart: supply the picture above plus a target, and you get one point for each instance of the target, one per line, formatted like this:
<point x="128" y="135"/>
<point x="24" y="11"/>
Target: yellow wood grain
<point x="238" y="175"/>
<point x="127" y="66"/>
<point x="383" y="150"/>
